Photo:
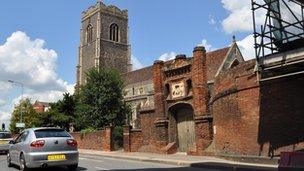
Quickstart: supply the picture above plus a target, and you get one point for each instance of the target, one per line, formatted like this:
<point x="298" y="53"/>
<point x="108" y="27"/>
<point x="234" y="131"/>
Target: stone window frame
<point x="114" y="32"/>
<point x="89" y="33"/>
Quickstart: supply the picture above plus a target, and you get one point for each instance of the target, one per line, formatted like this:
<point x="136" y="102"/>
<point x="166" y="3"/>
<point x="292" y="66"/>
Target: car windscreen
<point x="5" y="135"/>
<point x="48" y="133"/>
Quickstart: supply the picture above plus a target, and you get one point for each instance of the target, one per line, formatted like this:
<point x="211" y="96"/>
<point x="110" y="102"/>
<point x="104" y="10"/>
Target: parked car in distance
<point x="43" y="147"/>
<point x="5" y="138"/>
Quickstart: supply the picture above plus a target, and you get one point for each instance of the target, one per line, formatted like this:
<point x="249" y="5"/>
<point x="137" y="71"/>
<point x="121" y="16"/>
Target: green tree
<point x="60" y="113"/>
<point x="100" y="101"/>
<point x="29" y="115"/>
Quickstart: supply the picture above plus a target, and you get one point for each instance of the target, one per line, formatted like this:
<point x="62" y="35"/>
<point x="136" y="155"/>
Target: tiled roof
<point x="137" y="76"/>
<point x="214" y="61"/>
<point x="42" y="103"/>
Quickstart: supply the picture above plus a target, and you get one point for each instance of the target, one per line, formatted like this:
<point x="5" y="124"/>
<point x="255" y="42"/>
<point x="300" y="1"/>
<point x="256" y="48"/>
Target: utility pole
<point x="22" y="87"/>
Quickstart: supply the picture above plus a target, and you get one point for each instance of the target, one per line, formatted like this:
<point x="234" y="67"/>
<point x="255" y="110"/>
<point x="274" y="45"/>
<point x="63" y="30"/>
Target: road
<point x="94" y="163"/>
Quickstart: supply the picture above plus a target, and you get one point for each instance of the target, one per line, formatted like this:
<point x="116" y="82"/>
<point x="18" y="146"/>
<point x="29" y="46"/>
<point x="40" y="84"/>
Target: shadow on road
<point x="164" y="169"/>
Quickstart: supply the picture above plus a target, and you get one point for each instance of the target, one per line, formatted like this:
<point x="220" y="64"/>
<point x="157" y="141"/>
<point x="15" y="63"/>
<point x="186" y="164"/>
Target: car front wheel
<point x="9" y="160"/>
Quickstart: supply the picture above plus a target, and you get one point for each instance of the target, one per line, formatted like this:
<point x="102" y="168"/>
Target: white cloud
<point x="240" y="16"/>
<point x="136" y="64"/>
<point x="5" y="116"/>
<point x="207" y="46"/>
<point x="2" y="102"/>
<point x="44" y="96"/>
<point x="246" y="46"/>
<point x="4" y="89"/>
<point x="167" y="56"/>
<point x="28" y="61"/>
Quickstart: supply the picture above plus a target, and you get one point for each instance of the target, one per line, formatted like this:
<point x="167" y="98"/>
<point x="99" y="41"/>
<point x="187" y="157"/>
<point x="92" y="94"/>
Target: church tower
<point x="104" y="41"/>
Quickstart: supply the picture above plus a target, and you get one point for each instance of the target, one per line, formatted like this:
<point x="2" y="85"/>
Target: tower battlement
<point x="100" y="6"/>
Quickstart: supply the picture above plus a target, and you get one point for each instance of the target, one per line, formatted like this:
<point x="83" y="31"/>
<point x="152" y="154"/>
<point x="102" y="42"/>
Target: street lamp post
<point x="21" y="84"/>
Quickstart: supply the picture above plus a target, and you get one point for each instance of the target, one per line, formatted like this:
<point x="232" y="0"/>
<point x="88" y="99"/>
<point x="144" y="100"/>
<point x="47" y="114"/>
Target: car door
<point x="13" y="149"/>
<point x="20" y="145"/>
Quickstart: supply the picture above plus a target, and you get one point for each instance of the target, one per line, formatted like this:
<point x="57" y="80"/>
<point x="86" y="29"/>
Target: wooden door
<point x="185" y="129"/>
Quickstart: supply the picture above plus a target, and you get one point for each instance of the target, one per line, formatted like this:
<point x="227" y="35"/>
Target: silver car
<point x="5" y="138"/>
<point x="43" y="147"/>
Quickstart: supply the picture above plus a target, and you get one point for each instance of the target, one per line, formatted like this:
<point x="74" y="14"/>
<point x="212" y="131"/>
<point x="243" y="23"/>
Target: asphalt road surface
<point x="96" y="163"/>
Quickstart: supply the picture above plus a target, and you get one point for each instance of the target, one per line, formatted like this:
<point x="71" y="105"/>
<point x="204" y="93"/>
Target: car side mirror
<point x="11" y="142"/>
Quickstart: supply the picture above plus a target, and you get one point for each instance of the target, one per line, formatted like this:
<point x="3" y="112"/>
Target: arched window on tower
<point x="89" y="33"/>
<point x="114" y="32"/>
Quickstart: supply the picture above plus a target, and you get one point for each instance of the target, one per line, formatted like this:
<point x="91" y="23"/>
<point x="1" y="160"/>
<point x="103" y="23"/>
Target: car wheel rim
<point x="8" y="159"/>
<point x="22" y="165"/>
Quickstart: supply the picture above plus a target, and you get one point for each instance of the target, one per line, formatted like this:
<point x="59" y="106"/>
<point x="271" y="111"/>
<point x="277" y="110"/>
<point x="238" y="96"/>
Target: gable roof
<point x="214" y="60"/>
<point x="230" y="58"/>
<point x="137" y="76"/>
<point x="46" y="104"/>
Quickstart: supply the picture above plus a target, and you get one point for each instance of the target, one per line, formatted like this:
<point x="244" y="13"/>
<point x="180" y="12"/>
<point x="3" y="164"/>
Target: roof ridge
<point x="224" y="48"/>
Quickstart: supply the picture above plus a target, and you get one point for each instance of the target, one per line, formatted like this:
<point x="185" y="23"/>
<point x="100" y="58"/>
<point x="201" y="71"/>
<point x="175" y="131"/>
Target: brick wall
<point x="252" y="118"/>
<point x="99" y="140"/>
<point x="235" y="102"/>
<point x="136" y="139"/>
<point x="133" y="139"/>
<point x="281" y="122"/>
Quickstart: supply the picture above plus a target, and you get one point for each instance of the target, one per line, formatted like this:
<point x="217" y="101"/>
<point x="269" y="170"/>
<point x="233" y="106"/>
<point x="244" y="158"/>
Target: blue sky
<point x="157" y="28"/>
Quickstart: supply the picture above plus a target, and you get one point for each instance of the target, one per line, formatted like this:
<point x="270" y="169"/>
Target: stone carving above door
<point x="178" y="90"/>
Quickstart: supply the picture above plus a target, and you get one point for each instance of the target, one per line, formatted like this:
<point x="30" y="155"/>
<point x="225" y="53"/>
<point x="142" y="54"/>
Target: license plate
<point x="57" y="157"/>
<point x="3" y="142"/>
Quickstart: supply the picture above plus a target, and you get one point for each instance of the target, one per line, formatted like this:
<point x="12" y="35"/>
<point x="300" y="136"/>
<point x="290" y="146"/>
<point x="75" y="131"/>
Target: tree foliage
<point x="29" y="115"/>
<point x="60" y="114"/>
<point x="100" y="101"/>
<point x="98" y="104"/>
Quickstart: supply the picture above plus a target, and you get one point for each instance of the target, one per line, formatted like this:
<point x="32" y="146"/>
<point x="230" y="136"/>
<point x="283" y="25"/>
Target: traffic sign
<point x="20" y="125"/>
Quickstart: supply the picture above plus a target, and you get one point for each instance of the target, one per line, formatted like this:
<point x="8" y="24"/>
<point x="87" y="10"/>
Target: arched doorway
<point x="183" y="114"/>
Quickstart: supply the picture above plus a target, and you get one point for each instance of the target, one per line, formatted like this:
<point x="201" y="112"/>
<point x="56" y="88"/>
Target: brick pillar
<point x="200" y="100"/>
<point x="126" y="138"/>
<point x="161" y="121"/>
<point x="107" y="142"/>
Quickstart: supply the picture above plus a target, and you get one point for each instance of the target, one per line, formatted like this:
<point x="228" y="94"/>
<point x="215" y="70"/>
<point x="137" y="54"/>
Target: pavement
<point x="99" y="163"/>
<point x="180" y="159"/>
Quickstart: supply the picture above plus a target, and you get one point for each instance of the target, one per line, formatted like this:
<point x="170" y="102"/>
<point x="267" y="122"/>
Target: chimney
<point x="199" y="52"/>
<point x="158" y="83"/>
<point x="199" y="80"/>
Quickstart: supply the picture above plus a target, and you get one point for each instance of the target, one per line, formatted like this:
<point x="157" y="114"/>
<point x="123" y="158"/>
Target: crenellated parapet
<point x="110" y="9"/>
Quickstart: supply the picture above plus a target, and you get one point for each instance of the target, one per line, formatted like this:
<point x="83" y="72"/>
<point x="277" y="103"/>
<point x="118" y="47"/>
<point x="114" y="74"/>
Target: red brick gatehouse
<point x="215" y="103"/>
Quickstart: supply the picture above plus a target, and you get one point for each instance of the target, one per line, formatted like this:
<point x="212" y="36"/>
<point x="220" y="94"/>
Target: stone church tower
<point x="104" y="41"/>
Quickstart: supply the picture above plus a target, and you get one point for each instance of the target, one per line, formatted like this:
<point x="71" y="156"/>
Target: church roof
<point x="140" y="75"/>
<point x="214" y="59"/>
